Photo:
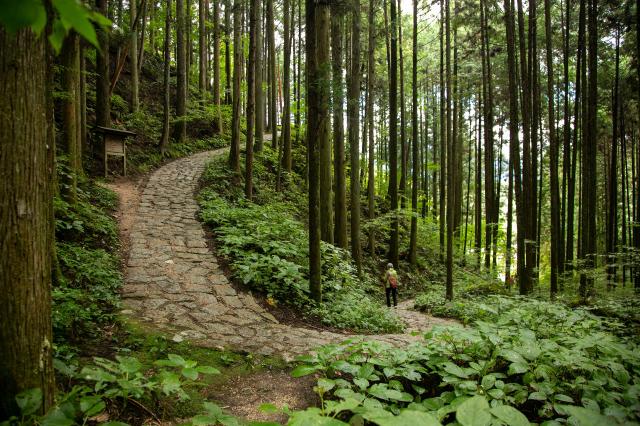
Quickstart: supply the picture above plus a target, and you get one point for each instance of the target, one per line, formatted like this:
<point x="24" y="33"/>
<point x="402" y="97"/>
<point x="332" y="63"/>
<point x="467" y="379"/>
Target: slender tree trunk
<point x="478" y="184"/>
<point x="234" y="151"/>
<point x="413" y="240"/>
<point x="556" y="240"/>
<point x="272" y="70"/>
<point x="393" y="137"/>
<point x="338" y="130"/>
<point x="326" y="190"/>
<point x="403" y="122"/>
<point x="134" y="103"/>
<point x="317" y="29"/>
<point x="70" y="80"/>
<point x="26" y="220"/>
<point x="286" y="112"/>
<point x="443" y="139"/>
<point x="353" y="124"/>
<point x="258" y="117"/>
<point x="252" y="99"/>
<point x="181" y="94"/>
<point x="370" y="112"/>
<point x="227" y="52"/>
<point x="202" y="46"/>
<point x="450" y="158"/>
<point x="164" y="140"/>
<point x="103" y="100"/>
<point x="589" y="151"/>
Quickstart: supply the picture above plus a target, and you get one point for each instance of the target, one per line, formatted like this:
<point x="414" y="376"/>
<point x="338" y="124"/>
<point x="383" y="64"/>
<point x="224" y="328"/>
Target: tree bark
<point x="337" y="23"/>
<point x="164" y="141"/>
<point x="234" y="151"/>
<point x="103" y="99"/>
<point x="393" y="137"/>
<point x="371" y="160"/>
<point x="413" y="239"/>
<point x="133" y="64"/>
<point x="181" y="59"/>
<point x="353" y="124"/>
<point x="26" y="220"/>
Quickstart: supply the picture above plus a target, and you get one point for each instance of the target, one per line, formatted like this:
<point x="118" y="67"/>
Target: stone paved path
<point x="173" y="281"/>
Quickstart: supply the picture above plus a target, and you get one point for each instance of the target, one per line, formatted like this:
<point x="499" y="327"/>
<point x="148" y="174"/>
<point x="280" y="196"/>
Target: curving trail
<point x="173" y="280"/>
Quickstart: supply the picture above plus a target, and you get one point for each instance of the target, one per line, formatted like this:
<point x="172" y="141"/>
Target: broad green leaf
<point x="452" y="368"/>
<point x="517" y="368"/>
<point x="177" y="359"/>
<point x="205" y="369"/>
<point x="129" y="364"/>
<point x="29" y="401"/>
<point x="474" y="412"/>
<point x="537" y="396"/>
<point x="91" y="405"/>
<point x="204" y="420"/>
<point x="344" y="405"/>
<point x="57" y="417"/>
<point x="190" y="373"/>
<point x="509" y="415"/>
<point x="361" y="383"/>
<point x="170" y="383"/>
<point x="304" y="370"/>
<point x="585" y="417"/>
<point x="488" y="381"/>
<point x="74" y="15"/>
<point x="409" y="417"/>
<point x="326" y="384"/>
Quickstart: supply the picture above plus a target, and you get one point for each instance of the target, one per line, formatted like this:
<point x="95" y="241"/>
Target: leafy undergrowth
<point x="266" y="245"/>
<point x="526" y="360"/>
<point x="85" y="291"/>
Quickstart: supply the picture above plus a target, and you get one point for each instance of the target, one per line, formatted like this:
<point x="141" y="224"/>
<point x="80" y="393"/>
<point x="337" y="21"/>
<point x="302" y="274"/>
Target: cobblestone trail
<point x="173" y="280"/>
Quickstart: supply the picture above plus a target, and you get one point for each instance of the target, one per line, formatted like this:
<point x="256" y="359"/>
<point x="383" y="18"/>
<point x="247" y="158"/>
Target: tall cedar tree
<point x="252" y="117"/>
<point x="353" y="124"/>
<point x="164" y="139"/>
<point x="26" y="219"/>
<point x="371" y="99"/>
<point x="340" y="201"/>
<point x="103" y="98"/>
<point x="286" y="112"/>
<point x="258" y="117"/>
<point x="234" y="151"/>
<point x="450" y="155"/>
<point x="393" y="136"/>
<point x="413" y="240"/>
<point x="181" y="57"/>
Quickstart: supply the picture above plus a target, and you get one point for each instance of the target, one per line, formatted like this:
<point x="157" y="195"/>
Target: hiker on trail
<point x="391" y="285"/>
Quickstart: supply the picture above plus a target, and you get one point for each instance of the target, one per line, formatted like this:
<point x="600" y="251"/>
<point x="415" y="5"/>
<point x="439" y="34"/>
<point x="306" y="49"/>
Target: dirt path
<point x="173" y="280"/>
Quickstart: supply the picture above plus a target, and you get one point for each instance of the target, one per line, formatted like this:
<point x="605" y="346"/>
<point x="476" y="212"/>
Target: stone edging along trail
<point x="173" y="280"/>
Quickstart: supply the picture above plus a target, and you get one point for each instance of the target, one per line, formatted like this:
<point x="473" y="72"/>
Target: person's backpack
<point x="393" y="281"/>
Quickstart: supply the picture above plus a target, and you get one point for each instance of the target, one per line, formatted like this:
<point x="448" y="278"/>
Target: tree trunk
<point x="258" y="117"/>
<point x="26" y="220"/>
<point x="589" y="151"/>
<point x="403" y="139"/>
<point x="413" y="239"/>
<point x="202" y="47"/>
<point x="103" y="99"/>
<point x="234" y="151"/>
<point x="133" y="64"/>
<point x="164" y="141"/>
<point x="272" y="71"/>
<point x="317" y="35"/>
<point x="338" y="130"/>
<point x="227" y="52"/>
<point x="393" y="137"/>
<point x="286" y="112"/>
<point x="443" y="139"/>
<point x="252" y="99"/>
<point x="70" y="61"/>
<point x="451" y="170"/>
<point x="553" y="156"/>
<point x="370" y="103"/>
<point x="181" y="59"/>
<point x="353" y="124"/>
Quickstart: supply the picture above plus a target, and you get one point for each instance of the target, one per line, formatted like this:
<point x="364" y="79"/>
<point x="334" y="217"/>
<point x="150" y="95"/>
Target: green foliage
<point x="87" y="296"/>
<point x="70" y="15"/>
<point x="107" y="383"/>
<point x="534" y="359"/>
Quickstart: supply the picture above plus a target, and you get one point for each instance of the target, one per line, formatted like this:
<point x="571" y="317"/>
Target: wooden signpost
<point x="114" y="144"/>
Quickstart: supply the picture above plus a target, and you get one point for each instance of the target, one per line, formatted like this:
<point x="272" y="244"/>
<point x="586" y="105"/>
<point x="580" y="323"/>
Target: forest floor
<point x="174" y="283"/>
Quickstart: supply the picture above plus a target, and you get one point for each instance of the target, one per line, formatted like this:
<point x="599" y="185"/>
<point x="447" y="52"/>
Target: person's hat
<point x="389" y="265"/>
